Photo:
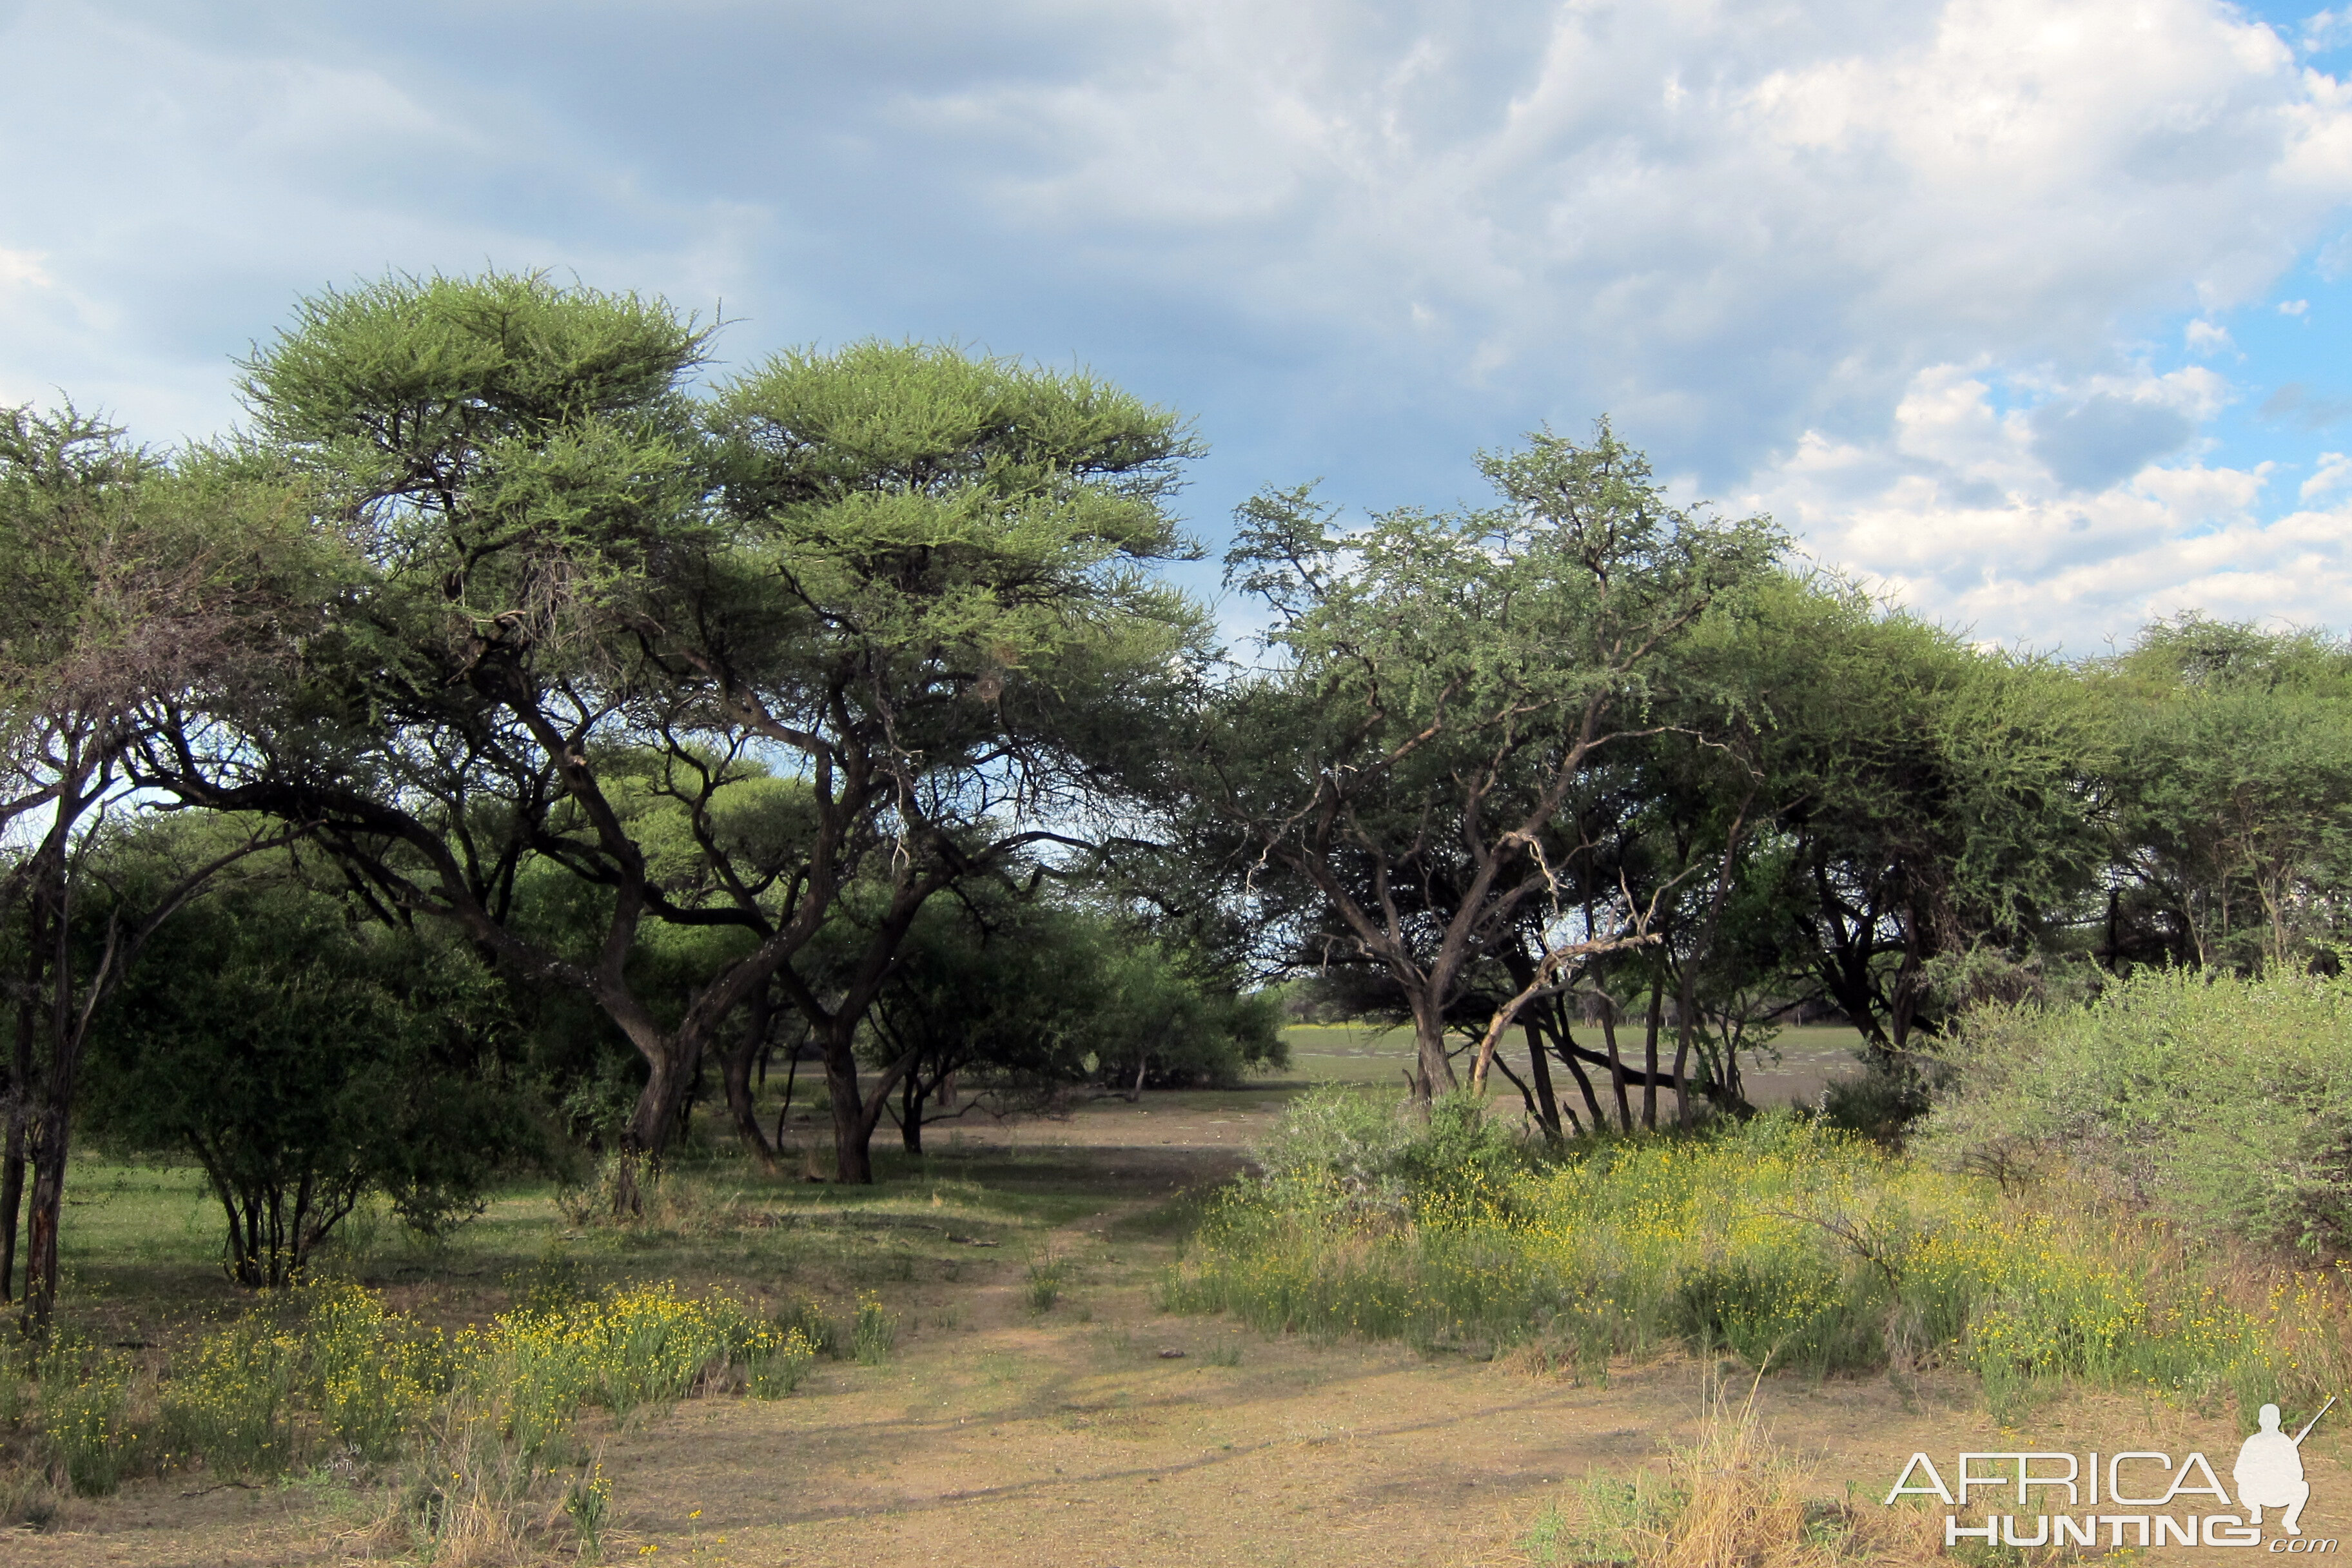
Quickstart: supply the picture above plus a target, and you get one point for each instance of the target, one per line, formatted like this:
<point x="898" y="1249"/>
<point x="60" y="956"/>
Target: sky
<point x="2031" y="314"/>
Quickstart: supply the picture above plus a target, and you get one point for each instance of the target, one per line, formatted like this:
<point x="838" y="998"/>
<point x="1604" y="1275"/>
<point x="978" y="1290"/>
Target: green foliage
<point x="1882" y="1100"/>
<point x="1802" y="1310"/>
<point x="1615" y="1521"/>
<point x="1363" y="1153"/>
<point x="1797" y="1247"/>
<point x="306" y="1056"/>
<point x="1046" y="1274"/>
<point x="83" y="1402"/>
<point x="2225" y="1098"/>
<point x="2231" y="792"/>
<point x="775" y="1360"/>
<point x="1910" y="795"/>
<point x="372" y="1376"/>
<point x="874" y="1333"/>
<point x="588" y="1504"/>
<point x="231" y="1403"/>
<point x="809" y="1319"/>
<point x="1402" y="779"/>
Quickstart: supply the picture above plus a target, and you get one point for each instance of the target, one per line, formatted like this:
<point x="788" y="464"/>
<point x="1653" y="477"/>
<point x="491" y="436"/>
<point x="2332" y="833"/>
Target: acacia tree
<point x="124" y="581"/>
<point x="1918" y="797"/>
<point x="937" y="615"/>
<point x="2231" y="820"/>
<point x="510" y="468"/>
<point x="892" y="578"/>
<point x="1443" y="684"/>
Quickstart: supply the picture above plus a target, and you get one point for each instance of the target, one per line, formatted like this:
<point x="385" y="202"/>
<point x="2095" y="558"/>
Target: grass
<point x="1728" y="1496"/>
<point x="469" y="1357"/>
<point x="1790" y="1245"/>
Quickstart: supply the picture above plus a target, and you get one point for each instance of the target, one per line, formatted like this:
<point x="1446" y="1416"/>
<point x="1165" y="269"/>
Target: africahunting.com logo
<point x="2059" y="1498"/>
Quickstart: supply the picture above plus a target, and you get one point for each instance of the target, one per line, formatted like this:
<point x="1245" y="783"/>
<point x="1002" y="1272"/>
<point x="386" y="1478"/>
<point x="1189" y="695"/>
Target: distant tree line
<point x="509" y="739"/>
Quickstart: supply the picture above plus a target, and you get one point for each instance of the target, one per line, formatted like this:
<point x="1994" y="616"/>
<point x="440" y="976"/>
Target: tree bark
<point x="1568" y="1049"/>
<point x="49" y="1148"/>
<point x="1650" y="1053"/>
<point x="750" y="1047"/>
<point x="911" y="1100"/>
<point x="1539" y="1068"/>
<point x="1430" y="1060"/>
<point x="17" y="1108"/>
<point x="1616" y="1062"/>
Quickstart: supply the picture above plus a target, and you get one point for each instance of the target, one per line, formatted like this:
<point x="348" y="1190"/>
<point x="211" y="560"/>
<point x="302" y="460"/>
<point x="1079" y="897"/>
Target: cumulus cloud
<point x="1971" y="522"/>
<point x="1901" y="259"/>
<point x="2334" y="472"/>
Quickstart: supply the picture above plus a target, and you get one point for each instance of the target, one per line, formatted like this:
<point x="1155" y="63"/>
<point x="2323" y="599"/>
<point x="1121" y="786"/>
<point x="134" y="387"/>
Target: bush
<point x="875" y="1333"/>
<point x="231" y="1403"/>
<point x="1793" y="1244"/>
<point x="1365" y="1154"/>
<point x="808" y="1319"/>
<point x="372" y="1376"/>
<point x="1883" y="1100"/>
<point x="83" y="1402"/>
<point x="2226" y="1100"/>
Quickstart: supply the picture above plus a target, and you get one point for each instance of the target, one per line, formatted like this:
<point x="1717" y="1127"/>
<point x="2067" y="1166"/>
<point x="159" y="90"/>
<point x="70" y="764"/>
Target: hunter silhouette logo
<point x="2269" y="1471"/>
<point x="2268" y="1475"/>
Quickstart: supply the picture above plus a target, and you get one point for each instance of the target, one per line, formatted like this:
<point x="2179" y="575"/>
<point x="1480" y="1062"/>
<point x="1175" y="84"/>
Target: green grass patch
<point x="1790" y="1244"/>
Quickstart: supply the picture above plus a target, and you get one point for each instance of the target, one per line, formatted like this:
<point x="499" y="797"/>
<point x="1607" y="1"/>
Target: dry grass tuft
<point x="1730" y="1499"/>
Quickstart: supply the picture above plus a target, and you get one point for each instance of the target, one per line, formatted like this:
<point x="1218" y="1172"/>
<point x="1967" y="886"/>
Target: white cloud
<point x="2204" y="337"/>
<point x="1970" y="525"/>
<point x="2334" y="472"/>
<point x="1725" y="224"/>
<point x="2326" y="30"/>
<point x="1898" y="267"/>
<point x="2293" y="307"/>
<point x="23" y="269"/>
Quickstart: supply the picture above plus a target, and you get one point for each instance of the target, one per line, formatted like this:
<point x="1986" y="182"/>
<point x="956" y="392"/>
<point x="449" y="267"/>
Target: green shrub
<point x="2225" y="1099"/>
<point x="230" y="1403"/>
<point x="875" y="1333"/>
<point x="1795" y="1245"/>
<point x="1796" y="1309"/>
<point x="1882" y="1102"/>
<point x="776" y="1361"/>
<point x="1047" y="1273"/>
<point x="824" y="1335"/>
<point x="83" y="1402"/>
<point x="372" y="1376"/>
<point x="1359" y="1154"/>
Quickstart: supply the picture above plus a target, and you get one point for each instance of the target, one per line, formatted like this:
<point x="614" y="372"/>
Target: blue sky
<point x="2032" y="312"/>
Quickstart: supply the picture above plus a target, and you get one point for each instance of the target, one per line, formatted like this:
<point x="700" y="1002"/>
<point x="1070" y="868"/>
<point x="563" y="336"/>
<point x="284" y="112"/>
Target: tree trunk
<point x="1616" y="1062"/>
<point x="750" y="1048"/>
<point x="17" y="1108"/>
<point x="853" y="1159"/>
<point x="1650" y="1054"/>
<point x="911" y="1100"/>
<point x="1429" y="1063"/>
<point x="792" y="1076"/>
<point x="647" y="1137"/>
<point x="1567" y="1048"/>
<point x="47" y="1209"/>
<point x="1539" y="1068"/>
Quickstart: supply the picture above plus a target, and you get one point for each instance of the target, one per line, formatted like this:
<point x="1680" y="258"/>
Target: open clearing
<point x="1000" y="1434"/>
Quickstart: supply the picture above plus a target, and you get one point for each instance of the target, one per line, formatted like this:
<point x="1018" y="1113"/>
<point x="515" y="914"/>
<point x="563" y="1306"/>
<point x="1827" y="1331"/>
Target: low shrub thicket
<point x="2224" y="1101"/>
<point x="1789" y="1242"/>
<point x="481" y="1418"/>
